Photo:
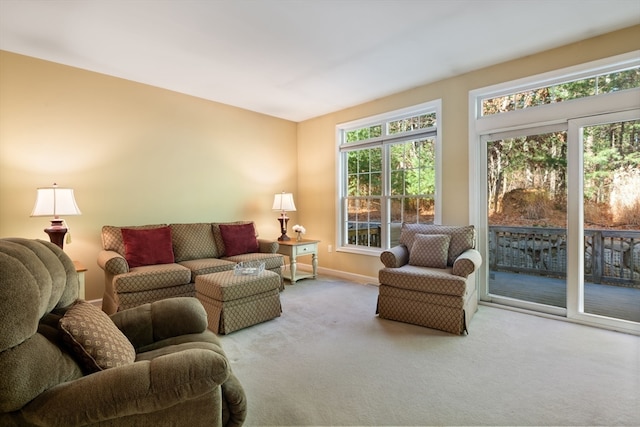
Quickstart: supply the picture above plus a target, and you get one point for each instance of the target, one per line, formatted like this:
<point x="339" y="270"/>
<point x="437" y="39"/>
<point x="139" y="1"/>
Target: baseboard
<point x="358" y="278"/>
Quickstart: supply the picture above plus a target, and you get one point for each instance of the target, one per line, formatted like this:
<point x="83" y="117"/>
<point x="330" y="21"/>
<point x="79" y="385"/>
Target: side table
<point x="293" y="249"/>
<point x="80" y="269"/>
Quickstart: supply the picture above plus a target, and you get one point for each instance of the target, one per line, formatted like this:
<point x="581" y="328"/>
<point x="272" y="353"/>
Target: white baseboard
<point x="359" y="278"/>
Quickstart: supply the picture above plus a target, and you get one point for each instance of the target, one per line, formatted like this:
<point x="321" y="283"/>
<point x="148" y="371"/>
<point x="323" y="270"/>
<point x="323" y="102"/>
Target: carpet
<point x="329" y="361"/>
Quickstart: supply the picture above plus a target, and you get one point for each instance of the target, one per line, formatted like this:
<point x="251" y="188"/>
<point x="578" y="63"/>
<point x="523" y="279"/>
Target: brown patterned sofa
<point x="429" y="278"/>
<point x="148" y="263"/>
<point x="153" y="365"/>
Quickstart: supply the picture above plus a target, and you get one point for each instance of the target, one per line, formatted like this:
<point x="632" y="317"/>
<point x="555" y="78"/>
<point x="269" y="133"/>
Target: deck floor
<point x="604" y="300"/>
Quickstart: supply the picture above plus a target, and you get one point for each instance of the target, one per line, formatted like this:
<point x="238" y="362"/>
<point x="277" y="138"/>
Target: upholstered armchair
<point x="64" y="362"/>
<point x="429" y="278"/>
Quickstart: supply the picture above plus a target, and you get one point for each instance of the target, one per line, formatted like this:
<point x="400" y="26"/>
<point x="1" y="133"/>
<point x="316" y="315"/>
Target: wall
<point x="317" y="158"/>
<point x="134" y="154"/>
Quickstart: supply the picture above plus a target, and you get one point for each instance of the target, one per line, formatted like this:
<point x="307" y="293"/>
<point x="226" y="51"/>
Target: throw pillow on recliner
<point x="430" y="250"/>
<point x="95" y="340"/>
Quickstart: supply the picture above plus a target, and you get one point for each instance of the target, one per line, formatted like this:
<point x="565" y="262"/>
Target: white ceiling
<point x="298" y="59"/>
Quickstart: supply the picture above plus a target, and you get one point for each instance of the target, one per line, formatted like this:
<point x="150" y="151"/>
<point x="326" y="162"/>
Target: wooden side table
<point x="293" y="249"/>
<point x="80" y="269"/>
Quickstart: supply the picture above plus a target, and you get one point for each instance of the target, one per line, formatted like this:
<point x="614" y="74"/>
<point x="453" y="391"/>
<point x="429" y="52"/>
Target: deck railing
<point x="611" y="256"/>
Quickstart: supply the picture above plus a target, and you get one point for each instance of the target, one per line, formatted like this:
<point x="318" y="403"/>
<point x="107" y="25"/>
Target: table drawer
<point x="306" y="249"/>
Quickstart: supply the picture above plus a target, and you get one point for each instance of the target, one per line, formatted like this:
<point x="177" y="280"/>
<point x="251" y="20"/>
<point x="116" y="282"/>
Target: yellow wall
<point x="317" y="140"/>
<point x="136" y="154"/>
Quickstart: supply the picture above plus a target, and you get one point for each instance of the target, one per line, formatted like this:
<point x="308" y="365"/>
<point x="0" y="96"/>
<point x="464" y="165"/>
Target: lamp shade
<point x="55" y="201"/>
<point x="283" y="202"/>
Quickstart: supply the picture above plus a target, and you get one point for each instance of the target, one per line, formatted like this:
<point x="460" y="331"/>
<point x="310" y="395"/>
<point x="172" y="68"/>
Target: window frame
<point x="384" y="141"/>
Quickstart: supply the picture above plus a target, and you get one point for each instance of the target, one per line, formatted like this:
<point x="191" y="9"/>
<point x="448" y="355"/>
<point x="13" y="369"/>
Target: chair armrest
<point x="468" y="262"/>
<point x="156" y="321"/>
<point x="395" y="257"/>
<point x="268" y="246"/>
<point x="139" y="388"/>
<point x="112" y="262"/>
<point x="234" y="402"/>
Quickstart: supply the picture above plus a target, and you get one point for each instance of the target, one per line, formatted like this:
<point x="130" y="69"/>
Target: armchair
<point x="429" y="278"/>
<point x="162" y="367"/>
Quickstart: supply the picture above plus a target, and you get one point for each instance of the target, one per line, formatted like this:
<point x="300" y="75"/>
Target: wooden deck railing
<point x="611" y="256"/>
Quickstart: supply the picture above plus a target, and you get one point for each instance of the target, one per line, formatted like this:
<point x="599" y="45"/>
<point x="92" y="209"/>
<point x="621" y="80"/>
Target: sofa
<point x="148" y="263"/>
<point x="428" y="279"/>
<point x="64" y="362"/>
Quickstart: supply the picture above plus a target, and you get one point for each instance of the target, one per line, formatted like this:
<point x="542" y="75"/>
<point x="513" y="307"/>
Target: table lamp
<point x="283" y="202"/>
<point x="55" y="201"/>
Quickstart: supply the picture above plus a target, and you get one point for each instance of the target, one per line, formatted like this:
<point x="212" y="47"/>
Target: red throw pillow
<point x="147" y="246"/>
<point x="239" y="239"/>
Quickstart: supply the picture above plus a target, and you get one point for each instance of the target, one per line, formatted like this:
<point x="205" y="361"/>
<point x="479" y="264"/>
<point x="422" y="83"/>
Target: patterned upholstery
<point x="197" y="249"/>
<point x="126" y="300"/>
<point x="207" y="266"/>
<point x="94" y="338"/>
<point x="440" y="298"/>
<point x="430" y="250"/>
<point x="462" y="237"/>
<point x="234" y="301"/>
<point x="193" y="241"/>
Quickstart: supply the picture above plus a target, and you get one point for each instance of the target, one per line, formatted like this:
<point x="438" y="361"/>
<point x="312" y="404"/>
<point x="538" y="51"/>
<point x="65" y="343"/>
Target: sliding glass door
<point x="563" y="219"/>
<point x="527" y="218"/>
<point x="605" y="201"/>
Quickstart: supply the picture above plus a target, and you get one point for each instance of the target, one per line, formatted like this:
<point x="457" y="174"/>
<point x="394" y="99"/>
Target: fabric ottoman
<point x="235" y="301"/>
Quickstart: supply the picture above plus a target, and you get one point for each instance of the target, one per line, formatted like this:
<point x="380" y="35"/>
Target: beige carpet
<point x="330" y="361"/>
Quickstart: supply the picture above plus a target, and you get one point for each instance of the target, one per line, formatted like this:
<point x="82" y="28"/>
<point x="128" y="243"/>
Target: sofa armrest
<point x="468" y="262"/>
<point x="268" y="246"/>
<point x="112" y="262"/>
<point x="395" y="257"/>
<point x="136" y="389"/>
<point x="156" y="321"/>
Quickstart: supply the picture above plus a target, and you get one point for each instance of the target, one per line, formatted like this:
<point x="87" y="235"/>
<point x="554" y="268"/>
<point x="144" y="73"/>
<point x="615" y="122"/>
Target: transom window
<point x="388" y="169"/>
<point x="590" y="85"/>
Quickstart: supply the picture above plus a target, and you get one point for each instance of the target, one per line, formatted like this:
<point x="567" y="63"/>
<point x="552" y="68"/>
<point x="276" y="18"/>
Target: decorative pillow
<point x="147" y="247"/>
<point x="430" y="250"/>
<point x="94" y="338"/>
<point x="239" y="239"/>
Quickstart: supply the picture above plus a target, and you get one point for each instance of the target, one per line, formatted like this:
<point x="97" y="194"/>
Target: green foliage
<point x="539" y="162"/>
<point x="595" y="85"/>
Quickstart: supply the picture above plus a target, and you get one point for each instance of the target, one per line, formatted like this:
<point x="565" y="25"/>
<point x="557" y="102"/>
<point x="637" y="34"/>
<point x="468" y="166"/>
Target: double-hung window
<point x="388" y="174"/>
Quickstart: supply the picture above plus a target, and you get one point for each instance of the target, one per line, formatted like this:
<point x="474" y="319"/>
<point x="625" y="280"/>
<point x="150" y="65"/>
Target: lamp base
<point x="56" y="232"/>
<point x="284" y="220"/>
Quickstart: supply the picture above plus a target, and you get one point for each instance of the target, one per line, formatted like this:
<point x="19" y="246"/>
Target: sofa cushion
<point x="430" y="250"/>
<point x="462" y="237"/>
<point x="112" y="236"/>
<point x="206" y="266"/>
<point x="94" y="338"/>
<point x="147" y="247"/>
<point x="217" y="235"/>
<point x="239" y="239"/>
<point x="193" y="241"/>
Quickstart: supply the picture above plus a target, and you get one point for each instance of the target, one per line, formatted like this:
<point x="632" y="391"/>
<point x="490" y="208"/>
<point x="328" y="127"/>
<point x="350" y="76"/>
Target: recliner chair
<point x="66" y="363"/>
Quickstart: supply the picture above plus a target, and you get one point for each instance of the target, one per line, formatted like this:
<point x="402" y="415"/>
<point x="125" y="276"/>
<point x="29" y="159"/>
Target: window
<point x="591" y="85"/>
<point x="388" y="175"/>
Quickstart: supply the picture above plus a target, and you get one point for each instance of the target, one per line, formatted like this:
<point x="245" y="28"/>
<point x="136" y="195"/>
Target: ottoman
<point x="234" y="302"/>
